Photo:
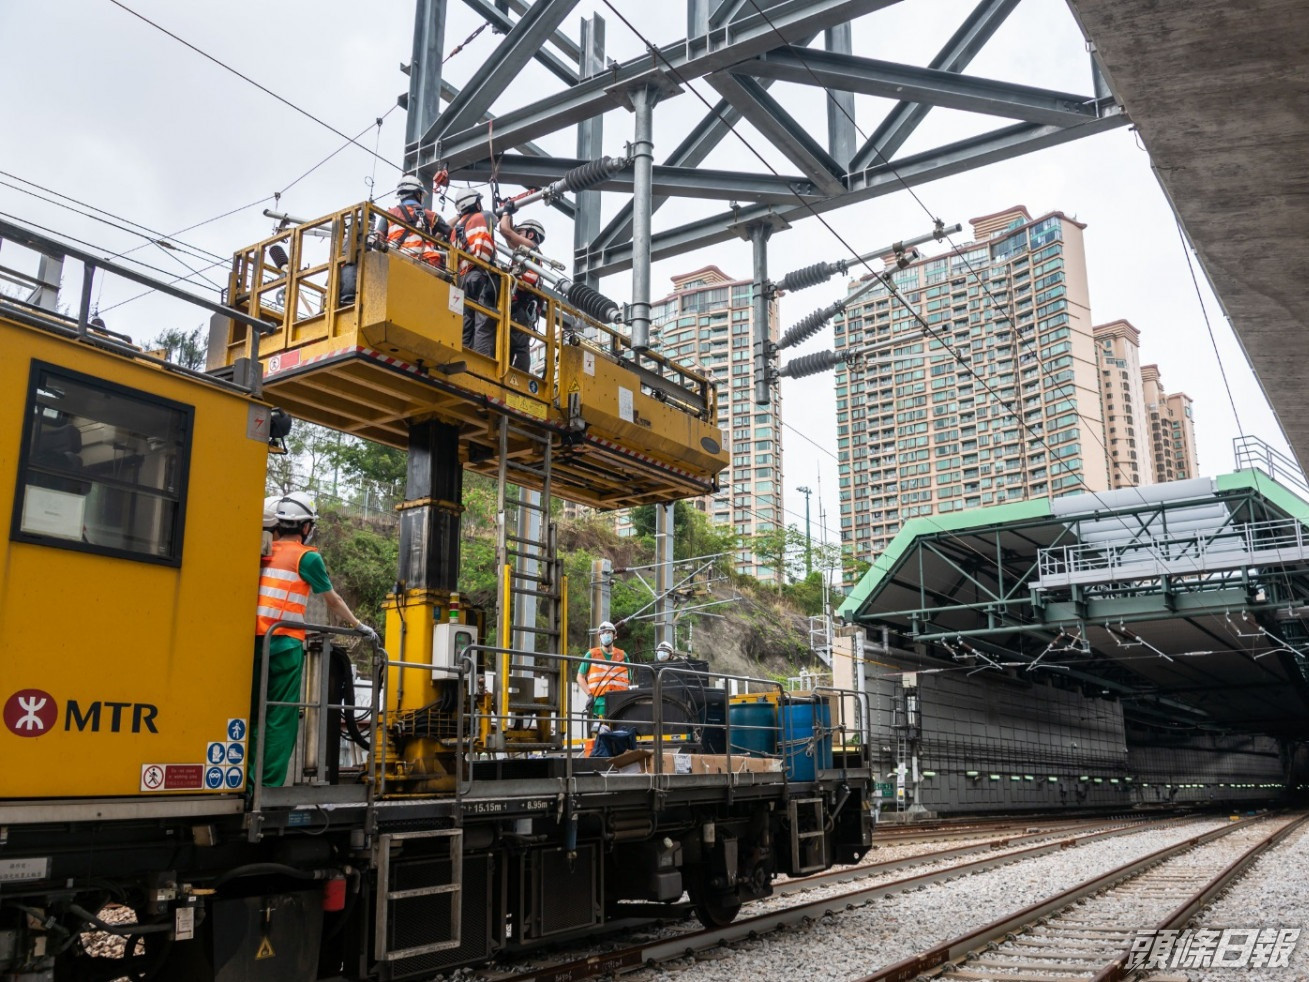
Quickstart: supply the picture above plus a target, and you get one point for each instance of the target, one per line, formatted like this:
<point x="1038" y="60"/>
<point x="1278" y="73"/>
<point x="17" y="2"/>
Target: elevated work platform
<point x="367" y="341"/>
<point x="1189" y="601"/>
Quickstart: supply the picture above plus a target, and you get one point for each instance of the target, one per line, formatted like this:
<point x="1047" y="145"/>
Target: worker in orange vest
<point x="287" y="576"/>
<point x="604" y="671"/>
<point x="410" y="210"/>
<point x="522" y="303"/>
<point x="474" y="233"/>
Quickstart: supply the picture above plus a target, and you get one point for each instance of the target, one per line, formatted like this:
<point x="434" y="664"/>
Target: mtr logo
<point x="34" y="712"/>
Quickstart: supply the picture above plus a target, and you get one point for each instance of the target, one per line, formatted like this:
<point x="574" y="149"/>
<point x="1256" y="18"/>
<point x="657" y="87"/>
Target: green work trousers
<point x="277" y="733"/>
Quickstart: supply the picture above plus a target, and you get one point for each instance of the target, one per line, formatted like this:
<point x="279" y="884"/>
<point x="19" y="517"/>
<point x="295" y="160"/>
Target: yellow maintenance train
<point x="467" y="823"/>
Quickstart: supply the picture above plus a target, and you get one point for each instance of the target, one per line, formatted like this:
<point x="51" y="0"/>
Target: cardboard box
<point x="630" y="761"/>
<point x="714" y="764"/>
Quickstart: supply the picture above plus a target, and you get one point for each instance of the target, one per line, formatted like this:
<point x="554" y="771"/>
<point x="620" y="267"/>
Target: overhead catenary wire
<point x="944" y="342"/>
<point x="246" y="78"/>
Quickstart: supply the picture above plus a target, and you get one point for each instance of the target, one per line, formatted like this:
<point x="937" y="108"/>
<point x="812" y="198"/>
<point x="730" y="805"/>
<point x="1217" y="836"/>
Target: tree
<point x="372" y="468"/>
<point x="185" y="348"/>
<point x="694" y="534"/>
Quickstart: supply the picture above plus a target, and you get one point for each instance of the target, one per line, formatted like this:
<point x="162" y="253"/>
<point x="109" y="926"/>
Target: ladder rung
<point x="524" y="591"/>
<point x="422" y="891"/>
<point x="541" y="506"/>
<point x="520" y="539"/>
<point x="549" y="632"/>
<point x="513" y="465"/>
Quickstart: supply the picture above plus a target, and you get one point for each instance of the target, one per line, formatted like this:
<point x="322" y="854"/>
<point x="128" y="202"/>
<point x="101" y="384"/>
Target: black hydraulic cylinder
<point x="429" y="521"/>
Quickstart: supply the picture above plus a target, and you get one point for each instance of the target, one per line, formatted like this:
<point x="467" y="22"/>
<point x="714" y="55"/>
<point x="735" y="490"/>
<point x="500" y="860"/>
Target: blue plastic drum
<point x="806" y="737"/>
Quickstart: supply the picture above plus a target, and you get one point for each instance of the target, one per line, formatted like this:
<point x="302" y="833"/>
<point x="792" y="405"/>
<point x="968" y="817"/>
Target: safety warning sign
<point x="172" y="777"/>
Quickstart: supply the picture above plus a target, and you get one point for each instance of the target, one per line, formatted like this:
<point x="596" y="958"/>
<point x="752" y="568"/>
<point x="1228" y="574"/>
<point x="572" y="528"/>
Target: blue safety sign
<point x="236" y="753"/>
<point x="214" y="778"/>
<point x="236" y="729"/>
<point x="217" y="753"/>
<point x="235" y="777"/>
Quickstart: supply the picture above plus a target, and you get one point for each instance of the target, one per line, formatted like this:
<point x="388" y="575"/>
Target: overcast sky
<point x="98" y="105"/>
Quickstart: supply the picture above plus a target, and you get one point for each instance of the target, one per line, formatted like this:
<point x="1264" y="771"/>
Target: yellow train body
<point x="128" y="586"/>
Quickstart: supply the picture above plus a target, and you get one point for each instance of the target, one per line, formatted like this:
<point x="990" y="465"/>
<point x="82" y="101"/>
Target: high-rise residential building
<point x="1172" y="429"/>
<point x="708" y="321"/>
<point x="1122" y="395"/>
<point x="996" y="399"/>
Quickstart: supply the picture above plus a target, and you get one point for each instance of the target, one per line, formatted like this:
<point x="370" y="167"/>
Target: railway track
<point x="1087" y="930"/>
<point x="690" y="943"/>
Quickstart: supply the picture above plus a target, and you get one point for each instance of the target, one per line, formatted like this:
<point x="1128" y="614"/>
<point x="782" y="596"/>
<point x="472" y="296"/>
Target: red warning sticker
<point x="178" y="777"/>
<point x="172" y="777"/>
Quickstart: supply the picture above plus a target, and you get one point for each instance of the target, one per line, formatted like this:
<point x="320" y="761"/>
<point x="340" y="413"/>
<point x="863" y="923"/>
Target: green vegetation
<point x="758" y="630"/>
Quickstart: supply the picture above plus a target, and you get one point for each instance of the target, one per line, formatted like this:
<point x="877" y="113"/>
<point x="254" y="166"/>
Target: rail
<point x="309" y="283"/>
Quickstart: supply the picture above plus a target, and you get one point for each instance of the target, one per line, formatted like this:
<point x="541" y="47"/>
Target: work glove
<point x="509" y="206"/>
<point x="368" y="634"/>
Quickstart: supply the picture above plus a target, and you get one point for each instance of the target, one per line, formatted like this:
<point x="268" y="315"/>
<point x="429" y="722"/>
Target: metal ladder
<point x="531" y="602"/>
<point x="404" y="889"/>
<point x="808" y="836"/>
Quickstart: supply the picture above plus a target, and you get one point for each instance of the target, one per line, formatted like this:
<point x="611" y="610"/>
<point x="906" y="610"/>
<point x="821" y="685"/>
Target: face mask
<point x="606" y="639"/>
<point x="662" y="655"/>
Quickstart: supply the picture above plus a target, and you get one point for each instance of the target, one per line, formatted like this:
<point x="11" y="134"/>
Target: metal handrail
<point x="1194" y="546"/>
<point x="321" y="704"/>
<point x="1251" y="452"/>
<point x="253" y="278"/>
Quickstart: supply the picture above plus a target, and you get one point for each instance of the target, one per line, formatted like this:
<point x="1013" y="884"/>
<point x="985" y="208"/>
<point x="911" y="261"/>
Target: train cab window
<point x="103" y="468"/>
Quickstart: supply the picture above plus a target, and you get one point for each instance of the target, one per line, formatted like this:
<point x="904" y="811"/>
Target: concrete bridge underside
<point x="1219" y="92"/>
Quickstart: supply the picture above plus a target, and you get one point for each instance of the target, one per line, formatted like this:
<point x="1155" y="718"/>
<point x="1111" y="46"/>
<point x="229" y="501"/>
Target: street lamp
<point x="808" y="543"/>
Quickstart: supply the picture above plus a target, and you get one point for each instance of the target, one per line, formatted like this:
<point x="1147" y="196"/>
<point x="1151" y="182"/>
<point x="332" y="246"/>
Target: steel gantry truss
<point x="743" y="51"/>
<point x="740" y="48"/>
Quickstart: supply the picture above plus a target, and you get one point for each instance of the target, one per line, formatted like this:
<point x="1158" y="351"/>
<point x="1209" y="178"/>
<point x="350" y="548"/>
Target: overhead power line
<point x="246" y="78"/>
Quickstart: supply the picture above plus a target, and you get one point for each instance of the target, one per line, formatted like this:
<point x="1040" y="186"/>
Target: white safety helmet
<point x="295" y="509"/>
<point x="409" y="186"/>
<point x="532" y="225"/>
<point x="270" y="510"/>
<point x="663" y="651"/>
<point x="469" y="199"/>
<point x="606" y="626"/>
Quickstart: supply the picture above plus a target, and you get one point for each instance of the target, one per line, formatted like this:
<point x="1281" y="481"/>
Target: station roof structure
<point x="1184" y="600"/>
<point x="1217" y="92"/>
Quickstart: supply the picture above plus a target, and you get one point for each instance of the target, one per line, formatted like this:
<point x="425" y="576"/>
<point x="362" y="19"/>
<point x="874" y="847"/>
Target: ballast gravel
<point x="850" y="944"/>
<point x="1273" y="894"/>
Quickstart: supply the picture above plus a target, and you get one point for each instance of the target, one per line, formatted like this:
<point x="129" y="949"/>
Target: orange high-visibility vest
<point x="283" y="593"/>
<point x="607" y="674"/>
<point x="475" y="236"/>
<point x="399" y="237"/>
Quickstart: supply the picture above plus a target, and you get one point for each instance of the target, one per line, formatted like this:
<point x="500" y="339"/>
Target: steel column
<point x="643" y="98"/>
<point x="424" y="103"/>
<point x="590" y="145"/>
<point x="664" y="527"/>
<point x="839" y="40"/>
<point x="759" y="234"/>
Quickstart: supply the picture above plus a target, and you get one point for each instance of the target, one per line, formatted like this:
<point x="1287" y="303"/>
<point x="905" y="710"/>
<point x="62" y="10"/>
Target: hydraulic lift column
<point x="428" y="575"/>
